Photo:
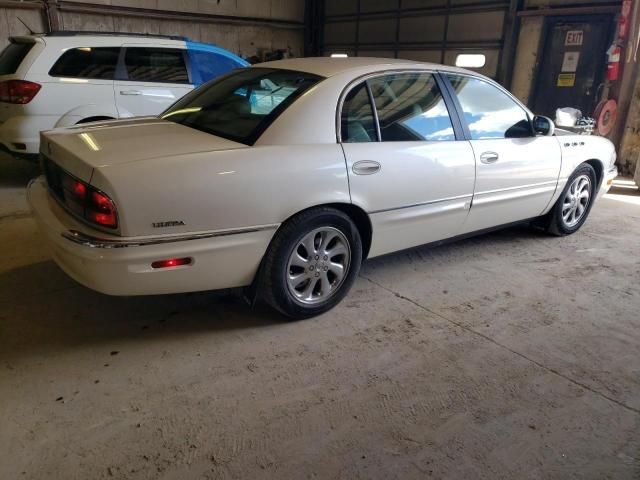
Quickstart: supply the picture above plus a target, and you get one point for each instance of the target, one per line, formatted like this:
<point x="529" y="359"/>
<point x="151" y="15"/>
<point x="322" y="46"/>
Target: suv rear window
<point x="87" y="62"/>
<point x="241" y="105"/>
<point x="12" y="56"/>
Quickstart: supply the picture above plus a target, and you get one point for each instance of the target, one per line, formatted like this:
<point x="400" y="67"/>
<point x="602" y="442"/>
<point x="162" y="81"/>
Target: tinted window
<point x="156" y="65"/>
<point x="241" y="105"/>
<point x="358" y="123"/>
<point x="209" y="65"/>
<point x="489" y="112"/>
<point x="12" y="56"/>
<point x="410" y="107"/>
<point x="85" y="62"/>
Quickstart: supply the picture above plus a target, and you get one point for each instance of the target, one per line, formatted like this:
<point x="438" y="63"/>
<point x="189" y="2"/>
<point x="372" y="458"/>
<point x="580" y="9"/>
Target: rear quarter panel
<point x="247" y="187"/>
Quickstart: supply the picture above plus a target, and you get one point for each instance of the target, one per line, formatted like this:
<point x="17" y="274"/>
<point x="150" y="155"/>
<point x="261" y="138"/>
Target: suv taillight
<point x="18" y="91"/>
<point x="93" y="205"/>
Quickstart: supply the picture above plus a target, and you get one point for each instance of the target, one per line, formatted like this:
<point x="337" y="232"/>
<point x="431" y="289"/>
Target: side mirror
<point x="543" y="125"/>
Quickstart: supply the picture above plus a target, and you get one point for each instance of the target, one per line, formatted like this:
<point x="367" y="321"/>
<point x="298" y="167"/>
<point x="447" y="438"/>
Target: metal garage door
<point x="425" y="30"/>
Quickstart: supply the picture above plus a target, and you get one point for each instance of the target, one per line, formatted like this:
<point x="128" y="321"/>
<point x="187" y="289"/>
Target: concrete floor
<point x="510" y="355"/>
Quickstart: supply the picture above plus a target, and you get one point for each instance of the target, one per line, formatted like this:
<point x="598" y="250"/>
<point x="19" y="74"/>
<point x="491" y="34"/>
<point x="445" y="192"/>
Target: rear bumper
<point x="24" y="130"/>
<point x="122" y="266"/>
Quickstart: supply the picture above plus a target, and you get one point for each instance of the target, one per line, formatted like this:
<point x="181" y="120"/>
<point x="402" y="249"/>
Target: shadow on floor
<point x="16" y="173"/>
<point x="45" y="310"/>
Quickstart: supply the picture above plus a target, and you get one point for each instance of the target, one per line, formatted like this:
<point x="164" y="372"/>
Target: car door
<point x="516" y="171"/>
<point x="150" y="79"/>
<point x="406" y="167"/>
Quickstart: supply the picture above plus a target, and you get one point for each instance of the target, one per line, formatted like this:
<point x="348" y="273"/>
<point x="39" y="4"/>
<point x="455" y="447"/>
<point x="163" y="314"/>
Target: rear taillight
<point x="89" y="203"/>
<point x="100" y="209"/>
<point x="18" y="91"/>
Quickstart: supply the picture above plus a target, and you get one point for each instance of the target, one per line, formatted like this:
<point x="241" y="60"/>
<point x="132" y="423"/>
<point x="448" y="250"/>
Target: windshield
<point x="241" y="105"/>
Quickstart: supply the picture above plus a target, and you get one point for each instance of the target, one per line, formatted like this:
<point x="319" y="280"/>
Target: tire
<point x="300" y="283"/>
<point x="560" y="220"/>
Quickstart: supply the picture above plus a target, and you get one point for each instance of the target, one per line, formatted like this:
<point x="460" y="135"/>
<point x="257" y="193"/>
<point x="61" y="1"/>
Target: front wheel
<point x="574" y="204"/>
<point x="312" y="263"/>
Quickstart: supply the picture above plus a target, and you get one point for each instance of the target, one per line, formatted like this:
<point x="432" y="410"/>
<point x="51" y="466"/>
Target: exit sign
<point x="574" y="38"/>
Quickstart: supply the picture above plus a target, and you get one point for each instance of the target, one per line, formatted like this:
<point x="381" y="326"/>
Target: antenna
<point x="31" y="32"/>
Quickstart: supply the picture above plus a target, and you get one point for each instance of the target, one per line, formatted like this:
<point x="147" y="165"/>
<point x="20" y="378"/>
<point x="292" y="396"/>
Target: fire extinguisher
<point x="613" y="63"/>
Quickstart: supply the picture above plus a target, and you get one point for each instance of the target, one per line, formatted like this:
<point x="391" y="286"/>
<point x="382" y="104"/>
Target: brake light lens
<point x="19" y="92"/>
<point x="87" y="202"/>
<point x="101" y="210"/>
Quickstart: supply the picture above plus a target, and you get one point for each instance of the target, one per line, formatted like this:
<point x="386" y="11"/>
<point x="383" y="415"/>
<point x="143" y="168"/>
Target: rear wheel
<point x="312" y="263"/>
<point x="574" y="204"/>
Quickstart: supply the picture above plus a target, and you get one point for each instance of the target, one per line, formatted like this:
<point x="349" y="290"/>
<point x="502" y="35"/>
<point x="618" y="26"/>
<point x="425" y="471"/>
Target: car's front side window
<point x="241" y="105"/>
<point x="164" y="65"/>
<point x="411" y="108"/>
<point x="489" y="112"/>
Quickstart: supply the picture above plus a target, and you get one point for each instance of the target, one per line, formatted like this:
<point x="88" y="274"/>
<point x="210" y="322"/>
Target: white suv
<point x="66" y="78"/>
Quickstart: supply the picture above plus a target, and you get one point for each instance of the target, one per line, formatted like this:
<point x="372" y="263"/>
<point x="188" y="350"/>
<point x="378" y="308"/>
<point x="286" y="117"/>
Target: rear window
<point x="241" y="105"/>
<point x="87" y="62"/>
<point x="12" y="56"/>
<point x="156" y="65"/>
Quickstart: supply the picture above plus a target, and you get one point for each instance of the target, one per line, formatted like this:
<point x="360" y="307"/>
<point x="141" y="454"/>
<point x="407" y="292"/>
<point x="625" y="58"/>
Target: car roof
<point x="328" y="66"/>
<point x="106" y="39"/>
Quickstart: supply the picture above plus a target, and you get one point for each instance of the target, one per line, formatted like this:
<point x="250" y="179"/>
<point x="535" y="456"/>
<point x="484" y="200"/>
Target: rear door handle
<point x="366" y="167"/>
<point x="489" y="157"/>
<point x="130" y="92"/>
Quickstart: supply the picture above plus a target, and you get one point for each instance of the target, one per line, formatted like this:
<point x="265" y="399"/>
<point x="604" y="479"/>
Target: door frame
<point x="546" y="39"/>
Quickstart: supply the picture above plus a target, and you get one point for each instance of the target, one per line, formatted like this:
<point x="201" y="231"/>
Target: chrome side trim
<point x="511" y="194"/>
<point x="422" y="204"/>
<point x="519" y="187"/>
<point x="96" y="242"/>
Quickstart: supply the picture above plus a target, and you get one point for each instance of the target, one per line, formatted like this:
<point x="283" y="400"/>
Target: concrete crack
<point x="505" y="347"/>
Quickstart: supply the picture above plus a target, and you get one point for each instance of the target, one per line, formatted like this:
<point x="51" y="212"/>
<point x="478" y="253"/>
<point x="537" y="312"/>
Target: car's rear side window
<point x="165" y="65"/>
<point x="411" y="108"/>
<point x="241" y="105"/>
<point x="13" y="55"/>
<point x="358" y="123"/>
<point x="87" y="62"/>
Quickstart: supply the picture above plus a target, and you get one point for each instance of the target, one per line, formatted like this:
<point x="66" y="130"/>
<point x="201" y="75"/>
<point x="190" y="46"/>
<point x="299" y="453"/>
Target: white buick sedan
<point x="285" y="176"/>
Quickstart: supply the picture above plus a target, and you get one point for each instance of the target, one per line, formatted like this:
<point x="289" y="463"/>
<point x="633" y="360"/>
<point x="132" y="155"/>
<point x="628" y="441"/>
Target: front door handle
<point x="489" y="157"/>
<point x="366" y="167"/>
<point x="130" y="92"/>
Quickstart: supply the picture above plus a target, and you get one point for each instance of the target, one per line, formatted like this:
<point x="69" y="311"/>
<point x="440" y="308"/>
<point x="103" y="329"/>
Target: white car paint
<point x="65" y="101"/>
<point x="229" y="198"/>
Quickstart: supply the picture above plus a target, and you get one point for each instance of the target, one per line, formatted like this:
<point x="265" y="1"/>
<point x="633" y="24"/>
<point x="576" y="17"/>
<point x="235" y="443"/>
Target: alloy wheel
<point x="318" y="265"/>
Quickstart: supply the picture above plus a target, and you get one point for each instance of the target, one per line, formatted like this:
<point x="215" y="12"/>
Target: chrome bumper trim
<point x="96" y="242"/>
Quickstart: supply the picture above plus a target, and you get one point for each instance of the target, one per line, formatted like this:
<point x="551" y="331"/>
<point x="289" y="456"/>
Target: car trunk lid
<point x="80" y="149"/>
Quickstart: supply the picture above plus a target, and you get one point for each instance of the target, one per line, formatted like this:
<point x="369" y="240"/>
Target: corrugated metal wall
<point x="425" y="30"/>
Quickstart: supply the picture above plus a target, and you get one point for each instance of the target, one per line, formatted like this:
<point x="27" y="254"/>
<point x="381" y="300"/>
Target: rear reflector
<point x="19" y="92"/>
<point x="171" y="262"/>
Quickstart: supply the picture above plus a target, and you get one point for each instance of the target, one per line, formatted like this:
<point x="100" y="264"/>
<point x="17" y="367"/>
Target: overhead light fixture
<point x="339" y="55"/>
<point x="471" y="60"/>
